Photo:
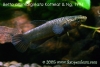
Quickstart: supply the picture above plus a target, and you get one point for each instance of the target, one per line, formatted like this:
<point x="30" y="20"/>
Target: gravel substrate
<point x="17" y="64"/>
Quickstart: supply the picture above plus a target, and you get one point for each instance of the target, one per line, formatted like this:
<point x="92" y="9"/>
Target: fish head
<point x="77" y="18"/>
<point x="75" y="21"/>
<point x="80" y="18"/>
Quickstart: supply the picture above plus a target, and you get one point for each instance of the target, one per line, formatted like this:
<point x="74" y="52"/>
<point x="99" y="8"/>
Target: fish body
<point x="46" y="30"/>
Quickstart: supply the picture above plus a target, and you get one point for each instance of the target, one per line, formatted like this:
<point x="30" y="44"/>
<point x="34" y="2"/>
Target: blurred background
<point x="50" y="12"/>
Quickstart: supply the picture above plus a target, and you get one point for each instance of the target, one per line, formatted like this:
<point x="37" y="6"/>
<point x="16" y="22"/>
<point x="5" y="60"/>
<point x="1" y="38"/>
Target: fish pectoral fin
<point x="20" y="43"/>
<point x="57" y="29"/>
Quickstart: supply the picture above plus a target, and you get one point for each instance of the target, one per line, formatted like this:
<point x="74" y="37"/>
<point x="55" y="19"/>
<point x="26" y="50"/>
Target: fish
<point x="49" y="29"/>
<point x="6" y="34"/>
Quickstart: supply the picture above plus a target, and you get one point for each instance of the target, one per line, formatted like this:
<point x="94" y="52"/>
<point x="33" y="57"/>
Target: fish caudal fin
<point x="20" y="43"/>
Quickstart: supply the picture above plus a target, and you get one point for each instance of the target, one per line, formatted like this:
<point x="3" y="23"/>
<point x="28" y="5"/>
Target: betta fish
<point x="49" y="29"/>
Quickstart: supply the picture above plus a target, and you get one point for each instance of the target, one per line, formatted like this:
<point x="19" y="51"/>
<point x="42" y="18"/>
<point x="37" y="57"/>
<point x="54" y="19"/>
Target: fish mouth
<point x="83" y="18"/>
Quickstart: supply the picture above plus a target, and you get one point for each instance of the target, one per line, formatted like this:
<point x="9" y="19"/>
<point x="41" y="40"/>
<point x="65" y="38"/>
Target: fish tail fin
<point x="20" y="43"/>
